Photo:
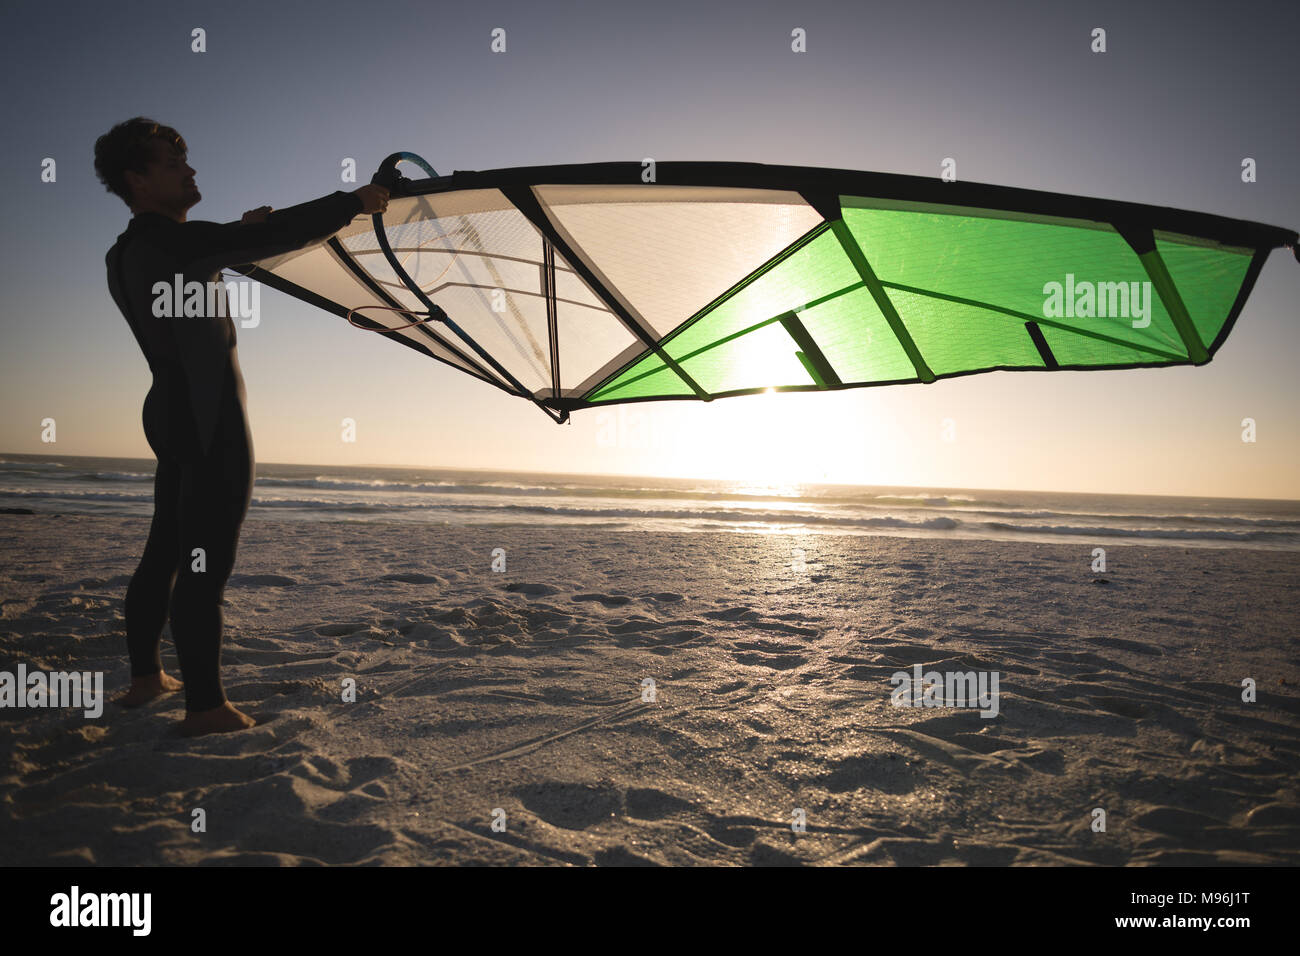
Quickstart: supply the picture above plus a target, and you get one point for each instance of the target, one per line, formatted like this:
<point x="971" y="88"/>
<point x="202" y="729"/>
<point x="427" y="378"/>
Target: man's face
<point x="168" y="181"/>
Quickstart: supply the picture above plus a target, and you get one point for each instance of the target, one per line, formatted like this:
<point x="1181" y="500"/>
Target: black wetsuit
<point x="195" y="423"/>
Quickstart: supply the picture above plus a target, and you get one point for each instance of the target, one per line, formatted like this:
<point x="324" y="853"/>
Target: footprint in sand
<point x="768" y="653"/>
<point x="733" y="836"/>
<point x="733" y="614"/>
<point x="532" y="589"/>
<point x="1124" y="706"/>
<point x="774" y="661"/>
<point x="261" y="581"/>
<point x="651" y="804"/>
<point x="885" y="772"/>
<point x="620" y="856"/>
<point x="413" y="578"/>
<point x="571" y="806"/>
<point x="340" y="630"/>
<point x="1274" y="815"/>
<point x="1124" y="645"/>
<point x="609" y="600"/>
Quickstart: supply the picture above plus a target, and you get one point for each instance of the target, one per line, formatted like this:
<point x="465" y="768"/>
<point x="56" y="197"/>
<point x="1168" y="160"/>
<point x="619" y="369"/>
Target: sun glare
<point x="770" y="440"/>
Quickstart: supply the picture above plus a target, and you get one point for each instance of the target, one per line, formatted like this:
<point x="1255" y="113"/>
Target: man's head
<point x="143" y="163"/>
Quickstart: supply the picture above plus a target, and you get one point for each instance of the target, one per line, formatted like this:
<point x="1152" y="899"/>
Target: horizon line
<point x="583" y="474"/>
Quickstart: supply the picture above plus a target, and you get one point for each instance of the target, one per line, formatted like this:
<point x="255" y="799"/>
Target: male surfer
<point x="194" y="415"/>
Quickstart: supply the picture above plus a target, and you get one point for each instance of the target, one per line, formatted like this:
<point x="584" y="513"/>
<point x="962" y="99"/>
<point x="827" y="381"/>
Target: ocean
<point x="448" y="497"/>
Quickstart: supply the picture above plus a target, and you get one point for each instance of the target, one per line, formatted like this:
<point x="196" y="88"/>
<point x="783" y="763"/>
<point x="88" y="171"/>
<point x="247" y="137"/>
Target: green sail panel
<point x="962" y="338"/>
<point x="738" y="343"/>
<point x="964" y="286"/>
<point x="1208" y="278"/>
<point x="1006" y="266"/>
<point x="856" y="339"/>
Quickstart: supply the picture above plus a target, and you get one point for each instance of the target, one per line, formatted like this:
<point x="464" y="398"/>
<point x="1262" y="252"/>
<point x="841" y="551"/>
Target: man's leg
<point x="214" y="495"/>
<point x="149" y="593"/>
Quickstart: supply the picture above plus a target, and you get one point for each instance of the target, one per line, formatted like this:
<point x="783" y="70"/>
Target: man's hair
<point x="129" y="145"/>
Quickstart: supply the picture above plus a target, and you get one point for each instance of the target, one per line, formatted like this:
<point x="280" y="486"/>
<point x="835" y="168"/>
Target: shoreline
<point x="664" y="526"/>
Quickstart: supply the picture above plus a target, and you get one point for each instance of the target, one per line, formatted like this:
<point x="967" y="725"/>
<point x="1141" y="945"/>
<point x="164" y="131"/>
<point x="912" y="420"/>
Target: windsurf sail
<point x="587" y="285"/>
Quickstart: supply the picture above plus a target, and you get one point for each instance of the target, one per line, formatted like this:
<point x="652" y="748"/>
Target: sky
<point x="1012" y="91"/>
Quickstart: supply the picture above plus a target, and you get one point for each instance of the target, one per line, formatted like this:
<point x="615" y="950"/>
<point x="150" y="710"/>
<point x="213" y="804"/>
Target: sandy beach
<point x="520" y="697"/>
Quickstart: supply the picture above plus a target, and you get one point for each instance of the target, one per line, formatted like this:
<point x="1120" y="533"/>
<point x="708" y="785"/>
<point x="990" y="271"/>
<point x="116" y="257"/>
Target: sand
<point x="518" y="697"/>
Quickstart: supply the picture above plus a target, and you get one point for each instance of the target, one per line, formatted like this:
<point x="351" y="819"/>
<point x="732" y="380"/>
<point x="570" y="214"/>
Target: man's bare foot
<point x="218" y="720"/>
<point x="145" y="689"/>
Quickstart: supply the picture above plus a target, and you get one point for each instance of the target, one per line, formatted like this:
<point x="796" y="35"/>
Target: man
<point x="194" y="415"/>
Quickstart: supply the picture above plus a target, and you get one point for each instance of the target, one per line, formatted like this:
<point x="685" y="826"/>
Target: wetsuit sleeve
<point x="212" y="246"/>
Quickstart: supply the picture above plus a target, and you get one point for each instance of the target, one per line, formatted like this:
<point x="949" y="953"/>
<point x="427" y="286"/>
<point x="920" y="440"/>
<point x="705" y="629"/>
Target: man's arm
<point x="212" y="246"/>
